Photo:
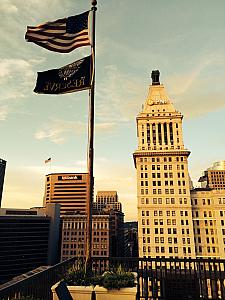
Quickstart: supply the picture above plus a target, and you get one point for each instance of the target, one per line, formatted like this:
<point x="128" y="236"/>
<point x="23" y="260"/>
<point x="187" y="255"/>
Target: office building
<point x="74" y="236"/>
<point x="214" y="177"/>
<point x="69" y="190"/>
<point x="164" y="205"/>
<point x="107" y="200"/>
<point x="2" y="176"/>
<point x="29" y="238"/>
<point x="208" y="212"/>
<point x="107" y="229"/>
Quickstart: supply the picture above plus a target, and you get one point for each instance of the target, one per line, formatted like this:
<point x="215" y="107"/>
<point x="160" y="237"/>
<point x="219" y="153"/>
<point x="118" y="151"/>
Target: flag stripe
<point x="47" y="36"/>
<point x="60" y="42"/>
<point x="55" y="26"/>
<point x="63" y="35"/>
<point x="49" y="24"/>
<point x="62" y="49"/>
<point x="59" y="27"/>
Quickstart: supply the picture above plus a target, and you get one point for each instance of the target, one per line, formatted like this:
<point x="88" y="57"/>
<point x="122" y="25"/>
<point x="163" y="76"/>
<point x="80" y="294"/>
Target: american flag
<point x="63" y="35"/>
<point x="48" y="160"/>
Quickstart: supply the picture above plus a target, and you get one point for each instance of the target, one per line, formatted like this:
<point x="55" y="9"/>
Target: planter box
<point x="77" y="292"/>
<point x="122" y="294"/>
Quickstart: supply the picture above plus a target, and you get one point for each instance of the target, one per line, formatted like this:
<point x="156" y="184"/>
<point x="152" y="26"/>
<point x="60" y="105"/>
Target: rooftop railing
<point x="157" y="278"/>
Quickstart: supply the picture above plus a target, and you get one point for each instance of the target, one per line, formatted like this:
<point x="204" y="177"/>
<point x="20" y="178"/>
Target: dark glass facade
<point x="23" y="244"/>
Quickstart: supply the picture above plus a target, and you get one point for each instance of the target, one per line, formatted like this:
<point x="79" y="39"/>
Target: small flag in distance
<point x="63" y="35"/>
<point x="48" y="160"/>
<point x="74" y="77"/>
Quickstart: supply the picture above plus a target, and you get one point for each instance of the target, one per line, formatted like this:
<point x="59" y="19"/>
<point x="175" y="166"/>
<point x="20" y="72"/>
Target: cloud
<point x="52" y="134"/>
<point x="183" y="82"/>
<point x="118" y="96"/>
<point x="4" y="110"/>
<point x="7" y="7"/>
<point x="105" y="126"/>
<point x="16" y="79"/>
<point x="10" y="67"/>
<point x="201" y="89"/>
<point x="57" y="131"/>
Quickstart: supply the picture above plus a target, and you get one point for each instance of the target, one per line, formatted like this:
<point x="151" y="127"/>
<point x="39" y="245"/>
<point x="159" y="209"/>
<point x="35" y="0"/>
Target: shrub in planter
<point x="78" y="277"/>
<point x="117" y="279"/>
<point x="111" y="285"/>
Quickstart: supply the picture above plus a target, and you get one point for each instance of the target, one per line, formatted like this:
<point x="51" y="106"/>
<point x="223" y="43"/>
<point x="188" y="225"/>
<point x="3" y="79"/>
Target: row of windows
<point x="161" y="201"/>
<point x="168" y="222"/>
<point x="207" y="231"/>
<point x="164" y="159"/>
<point x="206" y="214"/>
<point x="170" y="240"/>
<point x="208" y="240"/>
<point x="170" y="249"/>
<point x="97" y="246"/>
<point x="99" y="240"/>
<point x="159" y="182"/>
<point x="74" y="253"/>
<point x="67" y="246"/>
<point x="160" y="141"/>
<point x="160" y="213"/>
<point x="203" y="201"/>
<point x="169" y="231"/>
<point x="72" y="239"/>
<point x="159" y="191"/>
<point x="73" y="233"/>
<point x="159" y="148"/>
<point x="161" y="240"/>
<point x="100" y="233"/>
<point x="158" y="167"/>
<point x="209" y="249"/>
<point x="166" y="175"/>
<point x="217" y="174"/>
<point x="148" y="115"/>
<point x="100" y="253"/>
<point x="82" y="225"/>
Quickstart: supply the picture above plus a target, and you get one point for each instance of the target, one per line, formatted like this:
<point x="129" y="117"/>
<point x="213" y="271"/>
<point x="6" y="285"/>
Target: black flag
<point x="70" y="78"/>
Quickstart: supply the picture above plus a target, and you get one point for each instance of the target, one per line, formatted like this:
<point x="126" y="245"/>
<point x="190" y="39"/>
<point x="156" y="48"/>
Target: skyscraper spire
<point x="155" y="77"/>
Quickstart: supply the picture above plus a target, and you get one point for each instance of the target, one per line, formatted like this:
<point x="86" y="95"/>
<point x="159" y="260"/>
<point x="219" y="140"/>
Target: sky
<point x="183" y="39"/>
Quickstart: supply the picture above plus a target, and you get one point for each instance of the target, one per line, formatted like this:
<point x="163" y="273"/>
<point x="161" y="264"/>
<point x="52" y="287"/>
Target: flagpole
<point x="91" y="150"/>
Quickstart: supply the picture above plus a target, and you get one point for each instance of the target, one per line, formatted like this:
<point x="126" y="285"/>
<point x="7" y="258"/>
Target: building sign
<point x="70" y="177"/>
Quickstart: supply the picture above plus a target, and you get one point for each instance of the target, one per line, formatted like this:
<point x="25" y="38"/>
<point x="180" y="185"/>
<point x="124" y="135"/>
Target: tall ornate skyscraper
<point x="164" y="206"/>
